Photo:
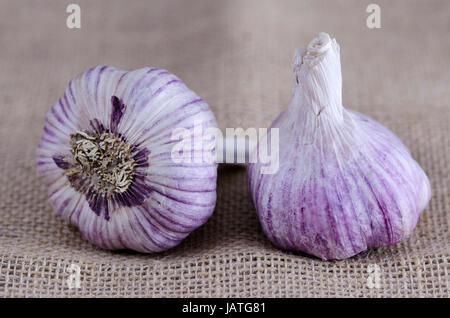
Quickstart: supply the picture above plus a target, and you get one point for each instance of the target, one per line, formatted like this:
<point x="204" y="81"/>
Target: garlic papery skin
<point x="345" y="183"/>
<point x="105" y="155"/>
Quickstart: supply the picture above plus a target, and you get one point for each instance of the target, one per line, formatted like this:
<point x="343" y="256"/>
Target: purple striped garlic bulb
<point x="106" y="157"/>
<point x="345" y="183"/>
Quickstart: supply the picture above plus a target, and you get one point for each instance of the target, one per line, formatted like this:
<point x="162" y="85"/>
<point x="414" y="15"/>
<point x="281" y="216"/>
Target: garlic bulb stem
<point x="317" y="92"/>
<point x="318" y="46"/>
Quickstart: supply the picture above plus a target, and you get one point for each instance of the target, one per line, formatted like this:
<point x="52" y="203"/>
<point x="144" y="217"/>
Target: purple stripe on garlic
<point x="345" y="183"/>
<point x="106" y="157"/>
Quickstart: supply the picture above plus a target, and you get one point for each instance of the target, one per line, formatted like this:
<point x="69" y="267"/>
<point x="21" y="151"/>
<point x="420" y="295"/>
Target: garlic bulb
<point x="106" y="156"/>
<point x="345" y="183"/>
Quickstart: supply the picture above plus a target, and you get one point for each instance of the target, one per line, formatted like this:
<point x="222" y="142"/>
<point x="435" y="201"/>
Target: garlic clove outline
<point x="346" y="183"/>
<point x="105" y="155"/>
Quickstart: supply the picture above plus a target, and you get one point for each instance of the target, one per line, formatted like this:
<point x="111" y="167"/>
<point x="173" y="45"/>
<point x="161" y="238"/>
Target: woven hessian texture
<point x="236" y="55"/>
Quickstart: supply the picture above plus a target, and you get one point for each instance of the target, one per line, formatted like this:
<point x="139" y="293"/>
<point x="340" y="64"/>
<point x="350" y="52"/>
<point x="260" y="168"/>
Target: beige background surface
<point x="236" y="55"/>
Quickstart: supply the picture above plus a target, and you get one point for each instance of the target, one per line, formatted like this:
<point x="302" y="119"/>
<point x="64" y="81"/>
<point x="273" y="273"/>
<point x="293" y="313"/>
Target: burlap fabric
<point x="236" y="55"/>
